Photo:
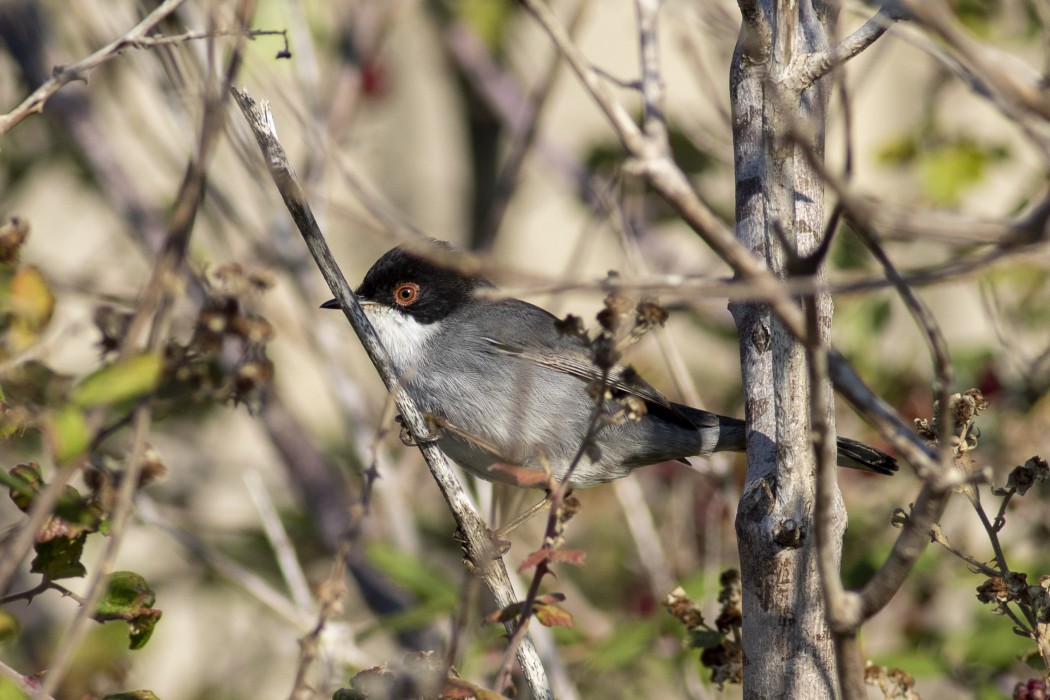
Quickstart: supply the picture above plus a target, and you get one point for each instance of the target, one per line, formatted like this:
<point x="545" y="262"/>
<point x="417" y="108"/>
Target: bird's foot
<point x="408" y="440"/>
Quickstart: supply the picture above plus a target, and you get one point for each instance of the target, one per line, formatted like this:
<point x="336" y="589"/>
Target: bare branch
<point x="936" y="535"/>
<point x="626" y="129"/>
<point x="915" y="535"/>
<point x="848" y="664"/>
<point x="654" y="122"/>
<point x="150" y="42"/>
<point x="931" y="331"/>
<point x="1000" y="73"/>
<point x="809" y="68"/>
<point x="64" y="75"/>
<point x="330" y="597"/>
<point x="280" y="543"/>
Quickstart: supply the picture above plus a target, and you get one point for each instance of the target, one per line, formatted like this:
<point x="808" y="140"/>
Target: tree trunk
<point x="788" y="650"/>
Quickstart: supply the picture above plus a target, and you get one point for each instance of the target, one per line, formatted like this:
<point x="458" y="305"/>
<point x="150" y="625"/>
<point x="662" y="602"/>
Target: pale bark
<point x="787" y="644"/>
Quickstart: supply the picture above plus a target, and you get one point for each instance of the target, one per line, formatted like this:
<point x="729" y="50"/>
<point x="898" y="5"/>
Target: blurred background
<point x="454" y="118"/>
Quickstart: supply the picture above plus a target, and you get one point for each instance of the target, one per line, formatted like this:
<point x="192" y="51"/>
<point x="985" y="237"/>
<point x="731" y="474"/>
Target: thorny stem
<point x="993" y="537"/>
<point x="938" y="536"/>
<point x="27" y="595"/>
<point x="1008" y="611"/>
<point x="1000" y="517"/>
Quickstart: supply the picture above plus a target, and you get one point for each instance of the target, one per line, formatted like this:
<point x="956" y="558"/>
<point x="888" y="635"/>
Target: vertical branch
<point x="654" y="123"/>
<point x="780" y="212"/>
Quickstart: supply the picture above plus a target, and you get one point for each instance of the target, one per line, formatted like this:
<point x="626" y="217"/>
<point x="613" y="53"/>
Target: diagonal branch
<point x="478" y="546"/>
<point x="809" y="68"/>
<point x="64" y="75"/>
<point x="592" y="81"/>
<point x="664" y="175"/>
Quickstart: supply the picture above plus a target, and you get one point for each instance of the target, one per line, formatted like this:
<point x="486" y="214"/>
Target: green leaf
<point x="133" y="695"/>
<point x="121" y="381"/>
<point x="127" y="593"/>
<point x="67" y="434"/>
<point x="59" y="557"/>
<point x="704" y="639"/>
<point x="23" y="483"/>
<point x="9" y="626"/>
<point x="129" y="598"/>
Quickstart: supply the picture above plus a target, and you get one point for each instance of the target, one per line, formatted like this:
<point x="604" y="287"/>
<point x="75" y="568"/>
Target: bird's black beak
<point x="330" y="304"/>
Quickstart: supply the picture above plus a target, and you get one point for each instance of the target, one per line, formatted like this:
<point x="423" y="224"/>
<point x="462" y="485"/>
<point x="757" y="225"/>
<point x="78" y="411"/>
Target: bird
<point x="511" y="391"/>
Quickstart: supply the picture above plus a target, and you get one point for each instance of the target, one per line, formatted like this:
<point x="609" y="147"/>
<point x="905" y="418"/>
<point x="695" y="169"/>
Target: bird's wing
<point x="572" y="358"/>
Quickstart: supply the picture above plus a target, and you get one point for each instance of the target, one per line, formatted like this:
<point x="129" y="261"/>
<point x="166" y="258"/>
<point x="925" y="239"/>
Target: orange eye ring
<point x="406" y="293"/>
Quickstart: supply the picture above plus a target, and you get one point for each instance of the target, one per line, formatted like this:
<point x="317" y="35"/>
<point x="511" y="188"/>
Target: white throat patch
<point x="404" y="337"/>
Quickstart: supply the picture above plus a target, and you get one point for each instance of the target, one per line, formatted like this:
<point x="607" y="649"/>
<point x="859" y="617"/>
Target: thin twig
<point x="331" y="597"/>
<point x="280" y="543"/>
<point x="654" y="121"/>
<point x="64" y="75"/>
<point x="938" y="536"/>
<point x="931" y="333"/>
<point x="1003" y="75"/>
<point x="551" y="533"/>
<point x="27" y="595"/>
<point x="155" y="40"/>
<point x="809" y="68"/>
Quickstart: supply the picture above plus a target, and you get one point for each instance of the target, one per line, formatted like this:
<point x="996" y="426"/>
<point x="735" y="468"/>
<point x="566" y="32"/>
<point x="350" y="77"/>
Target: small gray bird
<point x="508" y="387"/>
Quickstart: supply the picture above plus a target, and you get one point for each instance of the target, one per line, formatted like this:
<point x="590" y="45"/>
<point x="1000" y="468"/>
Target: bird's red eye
<point x="406" y="293"/>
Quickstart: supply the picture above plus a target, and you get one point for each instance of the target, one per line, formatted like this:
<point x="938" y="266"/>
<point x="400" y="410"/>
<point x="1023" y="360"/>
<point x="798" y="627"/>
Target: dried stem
<point x="938" y="536"/>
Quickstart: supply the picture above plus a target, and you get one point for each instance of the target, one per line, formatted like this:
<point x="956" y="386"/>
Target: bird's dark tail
<point x="857" y="455"/>
<point x="729" y="435"/>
